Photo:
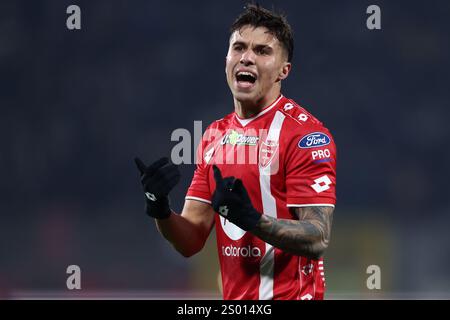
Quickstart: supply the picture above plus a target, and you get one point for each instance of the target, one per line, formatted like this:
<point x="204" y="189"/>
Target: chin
<point x="245" y="96"/>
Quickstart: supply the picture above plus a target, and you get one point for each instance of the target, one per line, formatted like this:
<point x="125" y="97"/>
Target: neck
<point x="248" y="108"/>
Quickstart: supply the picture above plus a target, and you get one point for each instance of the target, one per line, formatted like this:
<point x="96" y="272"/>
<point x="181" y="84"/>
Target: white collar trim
<point x="245" y="122"/>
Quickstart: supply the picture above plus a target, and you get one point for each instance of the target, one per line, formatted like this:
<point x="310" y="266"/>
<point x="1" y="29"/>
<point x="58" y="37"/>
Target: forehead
<point x="254" y="36"/>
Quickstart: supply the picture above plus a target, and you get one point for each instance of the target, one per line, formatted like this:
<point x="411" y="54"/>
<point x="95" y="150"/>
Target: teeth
<point x="244" y="73"/>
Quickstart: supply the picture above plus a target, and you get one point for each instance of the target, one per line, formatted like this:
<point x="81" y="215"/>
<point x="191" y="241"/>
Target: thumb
<point x="140" y="165"/>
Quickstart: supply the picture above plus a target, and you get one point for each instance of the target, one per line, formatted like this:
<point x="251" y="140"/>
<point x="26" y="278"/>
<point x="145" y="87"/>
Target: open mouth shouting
<point x="245" y="79"/>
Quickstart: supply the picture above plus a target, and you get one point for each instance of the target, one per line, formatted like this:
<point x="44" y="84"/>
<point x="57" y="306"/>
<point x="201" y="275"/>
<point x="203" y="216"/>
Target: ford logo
<point x="313" y="140"/>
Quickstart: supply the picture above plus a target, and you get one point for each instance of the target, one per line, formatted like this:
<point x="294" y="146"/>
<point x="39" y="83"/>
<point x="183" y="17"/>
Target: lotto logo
<point x="223" y="210"/>
<point x="150" y="196"/>
<point x="321" y="184"/>
<point x="307" y="269"/>
<point x="288" y="106"/>
<point x="302" y="117"/>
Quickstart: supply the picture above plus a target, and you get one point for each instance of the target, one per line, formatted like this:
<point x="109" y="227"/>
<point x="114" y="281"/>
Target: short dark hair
<point x="257" y="16"/>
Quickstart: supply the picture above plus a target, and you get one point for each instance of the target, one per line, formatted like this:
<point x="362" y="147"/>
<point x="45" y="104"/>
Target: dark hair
<point x="257" y="16"/>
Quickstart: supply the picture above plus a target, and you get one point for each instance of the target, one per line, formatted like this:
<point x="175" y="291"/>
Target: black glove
<point x="231" y="201"/>
<point x="157" y="180"/>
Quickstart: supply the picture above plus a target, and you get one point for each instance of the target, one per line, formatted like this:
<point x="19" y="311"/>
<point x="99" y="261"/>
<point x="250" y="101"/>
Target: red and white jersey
<point x="285" y="158"/>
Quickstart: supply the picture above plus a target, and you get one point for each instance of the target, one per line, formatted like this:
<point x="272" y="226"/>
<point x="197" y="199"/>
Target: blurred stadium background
<point x="77" y="106"/>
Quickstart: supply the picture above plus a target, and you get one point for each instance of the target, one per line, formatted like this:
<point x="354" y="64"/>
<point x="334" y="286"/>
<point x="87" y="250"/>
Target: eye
<point x="262" y="51"/>
<point x="238" y="48"/>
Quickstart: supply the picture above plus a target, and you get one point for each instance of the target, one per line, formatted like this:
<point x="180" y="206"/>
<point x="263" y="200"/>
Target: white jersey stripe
<point x="197" y="199"/>
<point x="266" y="268"/>
<point x="310" y="205"/>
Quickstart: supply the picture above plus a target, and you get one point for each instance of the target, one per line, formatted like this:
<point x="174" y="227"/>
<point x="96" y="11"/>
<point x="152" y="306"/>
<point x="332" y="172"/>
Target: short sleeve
<point x="200" y="189"/>
<point x="311" y="169"/>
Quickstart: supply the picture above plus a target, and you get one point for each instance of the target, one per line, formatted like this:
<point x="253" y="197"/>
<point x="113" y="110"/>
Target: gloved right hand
<point x="158" y="180"/>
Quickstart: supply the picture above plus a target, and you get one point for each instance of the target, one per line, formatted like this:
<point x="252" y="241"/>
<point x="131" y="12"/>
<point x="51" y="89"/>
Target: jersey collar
<point x="246" y="121"/>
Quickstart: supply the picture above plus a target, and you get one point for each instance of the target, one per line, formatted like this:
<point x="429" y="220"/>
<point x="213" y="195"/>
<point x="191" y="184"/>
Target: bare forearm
<point x="181" y="233"/>
<point x="188" y="231"/>
<point x="305" y="237"/>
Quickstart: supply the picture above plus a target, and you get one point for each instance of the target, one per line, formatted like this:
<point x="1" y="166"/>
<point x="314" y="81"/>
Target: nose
<point x="247" y="58"/>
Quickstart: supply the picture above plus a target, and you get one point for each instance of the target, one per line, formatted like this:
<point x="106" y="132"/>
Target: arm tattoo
<point x="309" y="236"/>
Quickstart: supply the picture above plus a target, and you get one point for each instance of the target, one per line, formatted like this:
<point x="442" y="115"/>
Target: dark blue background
<point x="77" y="106"/>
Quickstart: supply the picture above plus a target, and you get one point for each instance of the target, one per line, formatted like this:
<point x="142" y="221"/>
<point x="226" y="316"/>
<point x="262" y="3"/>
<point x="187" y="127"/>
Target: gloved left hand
<point x="231" y="201"/>
<point x="157" y="180"/>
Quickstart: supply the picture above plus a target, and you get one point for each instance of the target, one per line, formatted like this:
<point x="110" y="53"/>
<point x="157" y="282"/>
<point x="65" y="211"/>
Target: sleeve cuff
<point x="297" y="205"/>
<point x="197" y="199"/>
<point x="311" y="202"/>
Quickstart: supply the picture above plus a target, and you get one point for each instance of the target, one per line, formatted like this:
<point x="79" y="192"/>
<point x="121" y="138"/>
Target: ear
<point x="284" y="72"/>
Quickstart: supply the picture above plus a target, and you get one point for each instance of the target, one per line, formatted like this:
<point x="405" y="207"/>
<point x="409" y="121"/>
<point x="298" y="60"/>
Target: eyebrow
<point x="259" y="46"/>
